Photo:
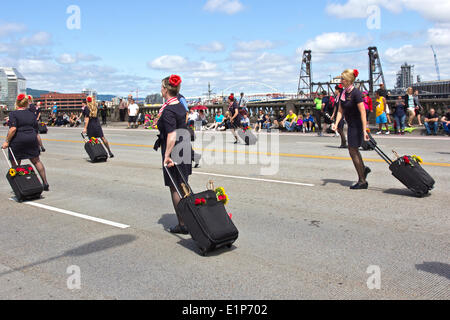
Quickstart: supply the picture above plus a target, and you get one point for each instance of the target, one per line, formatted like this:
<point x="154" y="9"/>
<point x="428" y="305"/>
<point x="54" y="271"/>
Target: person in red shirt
<point x="368" y="104"/>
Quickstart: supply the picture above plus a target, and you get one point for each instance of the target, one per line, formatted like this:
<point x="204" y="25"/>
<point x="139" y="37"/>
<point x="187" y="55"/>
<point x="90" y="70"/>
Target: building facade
<point x="12" y="83"/>
<point x="433" y="87"/>
<point x="62" y="100"/>
<point x="90" y="93"/>
<point x="405" y="78"/>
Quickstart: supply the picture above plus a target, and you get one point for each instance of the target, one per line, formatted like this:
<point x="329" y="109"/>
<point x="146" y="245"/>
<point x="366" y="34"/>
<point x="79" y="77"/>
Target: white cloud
<point x="421" y="57"/>
<point x="212" y="47"/>
<point x="439" y="36"/>
<point x="34" y="66"/>
<point x="9" y="28"/>
<point x="226" y="6"/>
<point x="67" y="58"/>
<point x="243" y="55"/>
<point x="87" y="57"/>
<point x="4" y="48"/>
<point x="38" y="39"/>
<point x="168" y="63"/>
<point x="255" y="45"/>
<point x="433" y="10"/>
<point x="177" y="64"/>
<point x="328" y="42"/>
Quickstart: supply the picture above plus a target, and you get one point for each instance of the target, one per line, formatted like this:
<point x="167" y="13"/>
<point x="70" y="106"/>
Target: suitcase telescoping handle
<point x="379" y="151"/>
<point x="85" y="138"/>
<point x="7" y="158"/>
<point x="186" y="184"/>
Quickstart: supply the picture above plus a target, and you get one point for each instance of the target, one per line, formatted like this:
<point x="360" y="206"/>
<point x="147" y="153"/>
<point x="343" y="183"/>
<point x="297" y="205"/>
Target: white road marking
<point x="78" y="215"/>
<point x="254" y="179"/>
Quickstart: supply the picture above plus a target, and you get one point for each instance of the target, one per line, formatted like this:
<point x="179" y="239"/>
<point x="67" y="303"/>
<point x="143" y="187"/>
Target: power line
<point x="340" y="52"/>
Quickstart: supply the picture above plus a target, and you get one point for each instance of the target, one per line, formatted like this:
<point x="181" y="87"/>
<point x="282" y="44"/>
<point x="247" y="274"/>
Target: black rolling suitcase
<point x="248" y="137"/>
<point x="408" y="171"/>
<point x="208" y="223"/>
<point x="96" y="151"/>
<point x="42" y="128"/>
<point x="24" y="181"/>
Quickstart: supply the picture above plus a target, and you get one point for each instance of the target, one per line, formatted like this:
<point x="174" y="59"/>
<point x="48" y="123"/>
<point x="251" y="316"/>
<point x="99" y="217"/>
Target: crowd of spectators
<point x="396" y="117"/>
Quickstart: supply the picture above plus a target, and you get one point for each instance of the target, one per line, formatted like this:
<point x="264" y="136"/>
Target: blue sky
<point x="125" y="45"/>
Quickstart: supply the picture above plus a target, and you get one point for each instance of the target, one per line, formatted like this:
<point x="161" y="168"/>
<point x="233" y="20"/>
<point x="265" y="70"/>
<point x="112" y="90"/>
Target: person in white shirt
<point x="133" y="110"/>
<point x="192" y="118"/>
<point x="243" y="104"/>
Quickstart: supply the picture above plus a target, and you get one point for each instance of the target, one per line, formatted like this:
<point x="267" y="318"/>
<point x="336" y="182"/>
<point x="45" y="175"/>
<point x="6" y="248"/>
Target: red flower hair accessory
<point x="89" y="99"/>
<point x="30" y="98"/>
<point x="20" y="97"/>
<point x="356" y="73"/>
<point x="341" y="86"/>
<point x="406" y="159"/>
<point x="175" y="80"/>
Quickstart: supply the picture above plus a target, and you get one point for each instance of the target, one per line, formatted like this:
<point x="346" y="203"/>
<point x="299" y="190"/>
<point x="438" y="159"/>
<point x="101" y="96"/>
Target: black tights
<point x="358" y="163"/>
<point x="106" y="143"/>
<point x="176" y="200"/>
<point x="342" y="135"/>
<point x="318" y="116"/>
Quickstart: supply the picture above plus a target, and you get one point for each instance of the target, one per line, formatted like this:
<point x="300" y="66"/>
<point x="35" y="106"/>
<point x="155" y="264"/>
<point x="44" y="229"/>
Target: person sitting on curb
<point x="299" y="125"/>
<point x="267" y="123"/>
<point x="431" y="122"/>
<point x="446" y="121"/>
<point x="279" y="122"/>
<point x="290" y="121"/>
<point x="309" y="122"/>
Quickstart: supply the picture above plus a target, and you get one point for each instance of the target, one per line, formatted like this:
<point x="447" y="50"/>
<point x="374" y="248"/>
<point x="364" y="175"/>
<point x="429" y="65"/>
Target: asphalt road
<point x="303" y="233"/>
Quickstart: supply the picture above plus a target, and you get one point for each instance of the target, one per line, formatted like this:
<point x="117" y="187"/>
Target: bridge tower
<point x="305" y="82"/>
<point x="376" y="75"/>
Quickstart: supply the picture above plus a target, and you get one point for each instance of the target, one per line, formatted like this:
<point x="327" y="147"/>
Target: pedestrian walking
<point x="351" y="106"/>
<point x="22" y="137"/>
<point x="235" y="121"/>
<point x="92" y="126"/>
<point x="172" y="118"/>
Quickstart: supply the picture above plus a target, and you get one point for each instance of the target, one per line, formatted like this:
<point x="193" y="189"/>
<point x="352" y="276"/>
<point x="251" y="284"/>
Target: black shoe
<point x="42" y="149"/>
<point x="46" y="187"/>
<point x="360" y="186"/>
<point x="367" y="171"/>
<point x="179" y="230"/>
<point x="343" y="146"/>
<point x="111" y="155"/>
<point x="236" y="142"/>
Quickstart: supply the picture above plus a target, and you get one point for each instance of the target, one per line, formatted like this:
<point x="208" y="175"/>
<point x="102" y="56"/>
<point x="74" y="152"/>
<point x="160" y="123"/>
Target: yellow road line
<point x="286" y="155"/>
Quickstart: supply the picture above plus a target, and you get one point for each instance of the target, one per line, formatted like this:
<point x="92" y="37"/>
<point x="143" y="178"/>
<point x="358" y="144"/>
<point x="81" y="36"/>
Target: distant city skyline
<point x="119" y="48"/>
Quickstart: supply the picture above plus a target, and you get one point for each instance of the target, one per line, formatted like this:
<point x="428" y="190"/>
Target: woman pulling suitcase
<point x="22" y="137"/>
<point x="92" y="126"/>
<point x="36" y="109"/>
<point x="351" y="106"/>
<point x="172" y="117"/>
<point x="235" y="121"/>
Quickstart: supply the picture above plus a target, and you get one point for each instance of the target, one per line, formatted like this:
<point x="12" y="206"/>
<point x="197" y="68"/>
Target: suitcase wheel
<point x="229" y="246"/>
<point x="204" y="253"/>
